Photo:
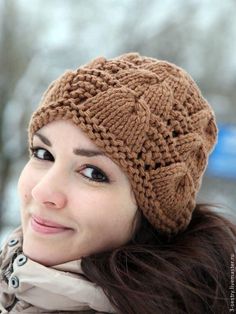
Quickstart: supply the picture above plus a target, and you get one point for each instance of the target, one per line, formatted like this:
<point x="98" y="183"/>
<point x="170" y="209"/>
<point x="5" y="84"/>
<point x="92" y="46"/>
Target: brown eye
<point x="41" y="153"/>
<point x="94" y="174"/>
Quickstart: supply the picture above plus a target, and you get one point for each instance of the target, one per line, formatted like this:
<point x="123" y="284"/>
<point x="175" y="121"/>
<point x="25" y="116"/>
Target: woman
<point x="108" y="198"/>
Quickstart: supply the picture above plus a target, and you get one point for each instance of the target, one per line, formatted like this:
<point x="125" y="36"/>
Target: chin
<point x="37" y="255"/>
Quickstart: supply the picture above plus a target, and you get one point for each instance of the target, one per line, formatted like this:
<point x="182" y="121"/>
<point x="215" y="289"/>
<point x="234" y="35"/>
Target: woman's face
<point x="75" y="201"/>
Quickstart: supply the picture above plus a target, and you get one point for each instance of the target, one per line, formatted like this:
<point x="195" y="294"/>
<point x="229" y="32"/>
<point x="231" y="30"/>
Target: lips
<point x="44" y="226"/>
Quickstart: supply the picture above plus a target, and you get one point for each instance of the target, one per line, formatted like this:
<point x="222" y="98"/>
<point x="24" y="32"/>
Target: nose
<point x="49" y="191"/>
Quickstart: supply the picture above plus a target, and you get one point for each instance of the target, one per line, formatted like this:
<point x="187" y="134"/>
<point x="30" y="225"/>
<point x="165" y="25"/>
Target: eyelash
<point x="34" y="153"/>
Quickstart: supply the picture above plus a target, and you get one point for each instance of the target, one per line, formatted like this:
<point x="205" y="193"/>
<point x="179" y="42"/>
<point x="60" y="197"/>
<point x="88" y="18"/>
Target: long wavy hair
<point x="191" y="272"/>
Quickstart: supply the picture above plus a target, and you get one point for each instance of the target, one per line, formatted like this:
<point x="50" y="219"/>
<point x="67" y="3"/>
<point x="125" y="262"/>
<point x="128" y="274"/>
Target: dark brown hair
<point x="188" y="273"/>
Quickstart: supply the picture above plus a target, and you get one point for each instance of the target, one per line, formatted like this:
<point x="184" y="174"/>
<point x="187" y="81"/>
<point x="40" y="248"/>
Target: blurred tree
<point x="15" y="51"/>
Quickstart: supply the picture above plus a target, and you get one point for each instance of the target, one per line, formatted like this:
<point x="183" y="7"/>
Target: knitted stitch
<point x="150" y="118"/>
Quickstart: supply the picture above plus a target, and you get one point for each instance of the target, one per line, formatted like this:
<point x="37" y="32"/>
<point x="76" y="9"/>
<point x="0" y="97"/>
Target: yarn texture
<point x="150" y="118"/>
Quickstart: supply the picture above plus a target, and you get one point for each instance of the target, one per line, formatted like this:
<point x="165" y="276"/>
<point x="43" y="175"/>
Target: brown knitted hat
<point x="150" y="118"/>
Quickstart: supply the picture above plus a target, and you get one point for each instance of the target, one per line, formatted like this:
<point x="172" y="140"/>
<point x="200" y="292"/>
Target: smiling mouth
<point x="44" y="226"/>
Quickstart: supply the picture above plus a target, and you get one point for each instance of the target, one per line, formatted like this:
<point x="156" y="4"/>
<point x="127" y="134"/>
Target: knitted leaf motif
<point x="174" y="188"/>
<point x="117" y="112"/>
<point x="177" y="79"/>
<point x="203" y="124"/>
<point x="137" y="80"/>
<point x="192" y="151"/>
<point x="159" y="98"/>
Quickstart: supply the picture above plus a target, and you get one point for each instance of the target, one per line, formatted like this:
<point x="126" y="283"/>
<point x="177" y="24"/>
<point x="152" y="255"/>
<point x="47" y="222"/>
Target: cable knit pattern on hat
<point x="150" y="118"/>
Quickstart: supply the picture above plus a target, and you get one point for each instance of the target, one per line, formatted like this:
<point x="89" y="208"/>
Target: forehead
<point x="64" y="131"/>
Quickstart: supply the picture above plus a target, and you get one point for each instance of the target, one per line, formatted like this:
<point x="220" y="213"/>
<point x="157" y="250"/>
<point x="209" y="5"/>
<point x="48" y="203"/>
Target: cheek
<point x="110" y="213"/>
<point x="25" y="185"/>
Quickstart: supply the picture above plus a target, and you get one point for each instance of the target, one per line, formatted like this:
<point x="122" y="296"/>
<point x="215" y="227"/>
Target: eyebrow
<point x="43" y="139"/>
<point x="76" y="151"/>
<point x="87" y="152"/>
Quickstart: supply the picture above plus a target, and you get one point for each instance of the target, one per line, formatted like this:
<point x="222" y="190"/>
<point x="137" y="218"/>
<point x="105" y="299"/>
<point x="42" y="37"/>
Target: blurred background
<point x="39" y="40"/>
